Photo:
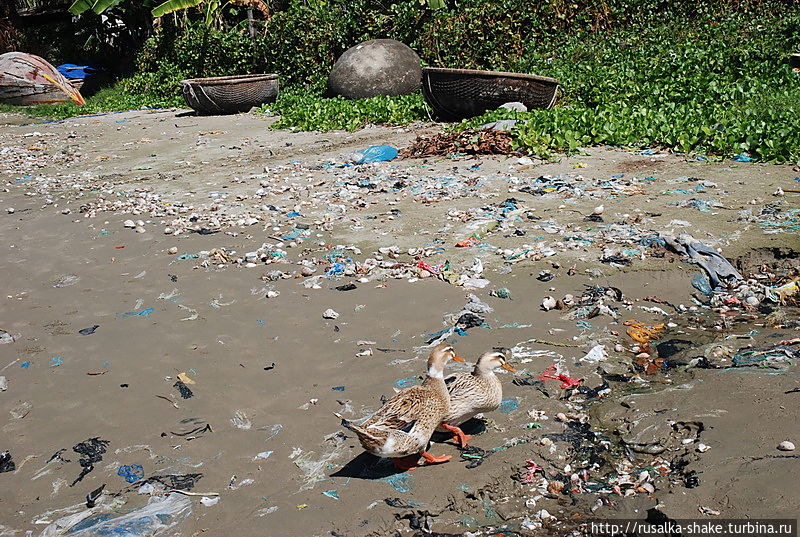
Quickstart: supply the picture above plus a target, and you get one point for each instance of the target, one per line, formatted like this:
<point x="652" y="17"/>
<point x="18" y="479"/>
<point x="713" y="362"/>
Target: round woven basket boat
<point x="456" y="94"/>
<point x="229" y="94"/>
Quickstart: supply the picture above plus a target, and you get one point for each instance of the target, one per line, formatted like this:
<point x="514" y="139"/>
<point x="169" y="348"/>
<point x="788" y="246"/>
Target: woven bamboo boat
<point x="229" y="94"/>
<point x="456" y="94"/>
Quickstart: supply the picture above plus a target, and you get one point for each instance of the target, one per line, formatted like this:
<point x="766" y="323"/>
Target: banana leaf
<point x="79" y="6"/>
<point x="173" y="5"/>
<point x="98" y="6"/>
<point x="102" y="5"/>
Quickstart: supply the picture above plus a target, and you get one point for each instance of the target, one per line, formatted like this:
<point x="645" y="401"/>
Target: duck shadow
<point x="368" y="466"/>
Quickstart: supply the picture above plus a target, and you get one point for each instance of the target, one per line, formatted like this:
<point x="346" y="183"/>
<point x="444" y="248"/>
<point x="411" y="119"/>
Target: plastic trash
<point x="716" y="266"/>
<point x="132" y="473"/>
<point x="92" y="451"/>
<point x="144" y="313"/>
<point x="6" y="338"/>
<point x="596" y="354"/>
<point x="375" y="153"/>
<point x="71" y="70"/>
<point x="3" y="384"/>
<point x="700" y="283"/>
<point x="566" y="381"/>
<point x="507" y="406"/>
<point x="156" y="518"/>
<point x="6" y="464"/>
<point x="92" y="497"/>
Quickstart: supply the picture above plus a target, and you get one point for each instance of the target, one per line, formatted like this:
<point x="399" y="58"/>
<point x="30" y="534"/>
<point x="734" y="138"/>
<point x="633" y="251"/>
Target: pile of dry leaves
<point x="470" y="142"/>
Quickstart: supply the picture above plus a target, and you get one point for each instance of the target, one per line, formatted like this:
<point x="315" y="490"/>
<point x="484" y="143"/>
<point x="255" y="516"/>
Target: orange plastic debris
<point x="644" y="333"/>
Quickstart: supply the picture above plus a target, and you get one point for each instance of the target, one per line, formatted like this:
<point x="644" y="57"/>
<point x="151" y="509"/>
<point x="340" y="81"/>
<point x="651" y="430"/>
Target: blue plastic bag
<point x="376" y="153"/>
<point x="70" y="70"/>
<point x="702" y="284"/>
<point x="132" y="473"/>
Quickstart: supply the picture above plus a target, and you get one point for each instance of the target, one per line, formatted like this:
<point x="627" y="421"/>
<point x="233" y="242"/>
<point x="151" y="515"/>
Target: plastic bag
<point x="376" y="153"/>
<point x="155" y="518"/>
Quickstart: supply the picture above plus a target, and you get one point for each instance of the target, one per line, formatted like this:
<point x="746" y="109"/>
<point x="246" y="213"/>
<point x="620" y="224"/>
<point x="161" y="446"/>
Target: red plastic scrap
<point x="469" y="241"/>
<point x="566" y="381"/>
<point x="431" y="268"/>
<point x="532" y="469"/>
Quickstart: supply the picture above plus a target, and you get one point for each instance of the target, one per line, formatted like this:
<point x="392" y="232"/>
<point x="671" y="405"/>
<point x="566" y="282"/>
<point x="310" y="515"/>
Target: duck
<point x="401" y="429"/>
<point x="475" y="392"/>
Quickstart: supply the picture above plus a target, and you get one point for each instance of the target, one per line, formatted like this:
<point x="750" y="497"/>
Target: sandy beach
<point x="188" y="348"/>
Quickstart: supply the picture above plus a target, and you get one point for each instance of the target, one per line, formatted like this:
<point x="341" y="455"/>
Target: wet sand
<point x="212" y="321"/>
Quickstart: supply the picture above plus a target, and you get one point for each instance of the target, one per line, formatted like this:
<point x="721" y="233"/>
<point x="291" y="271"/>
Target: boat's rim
<point x="494" y="74"/>
<point x="229" y="80"/>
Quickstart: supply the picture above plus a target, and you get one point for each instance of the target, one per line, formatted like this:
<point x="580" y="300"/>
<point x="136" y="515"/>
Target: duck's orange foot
<point x="430" y="459"/>
<point x="458" y="434"/>
<point x="406" y="464"/>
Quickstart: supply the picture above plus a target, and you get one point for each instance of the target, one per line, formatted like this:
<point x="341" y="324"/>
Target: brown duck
<point x="402" y="427"/>
<point x="472" y="393"/>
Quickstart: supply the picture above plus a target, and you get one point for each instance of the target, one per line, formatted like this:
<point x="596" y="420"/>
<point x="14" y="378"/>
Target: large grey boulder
<point x="377" y="67"/>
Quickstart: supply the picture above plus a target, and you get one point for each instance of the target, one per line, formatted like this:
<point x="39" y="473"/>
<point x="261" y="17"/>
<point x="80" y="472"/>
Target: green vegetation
<point x="703" y="75"/>
<point x="721" y="87"/>
<point x="300" y="110"/>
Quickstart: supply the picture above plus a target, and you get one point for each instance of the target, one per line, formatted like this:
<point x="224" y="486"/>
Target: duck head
<point x="440" y="355"/>
<point x="493" y="359"/>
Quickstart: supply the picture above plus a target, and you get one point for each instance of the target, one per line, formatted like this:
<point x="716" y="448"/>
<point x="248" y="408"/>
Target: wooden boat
<point x="26" y="79"/>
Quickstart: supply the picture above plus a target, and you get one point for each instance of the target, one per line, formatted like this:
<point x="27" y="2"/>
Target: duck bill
<point x="508" y="368"/>
<point x="457" y="358"/>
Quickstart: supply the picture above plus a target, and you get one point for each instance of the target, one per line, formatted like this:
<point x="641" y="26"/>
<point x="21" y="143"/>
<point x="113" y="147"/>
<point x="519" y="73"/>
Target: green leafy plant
<point x="98" y="6"/>
<point x="302" y="110"/>
<point x="716" y="86"/>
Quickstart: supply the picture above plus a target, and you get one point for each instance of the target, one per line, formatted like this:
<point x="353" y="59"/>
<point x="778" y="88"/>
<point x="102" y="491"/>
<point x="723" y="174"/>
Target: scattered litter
<point x="144" y="313"/>
<point x="507" y="406"/>
<point x="6" y="464"/>
<point x="92" y="451"/>
<point x="131" y="473"/>
<point x="157" y="517"/>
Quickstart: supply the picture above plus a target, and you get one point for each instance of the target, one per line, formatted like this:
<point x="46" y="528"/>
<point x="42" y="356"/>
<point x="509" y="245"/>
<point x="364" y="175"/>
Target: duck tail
<point x="362" y="433"/>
